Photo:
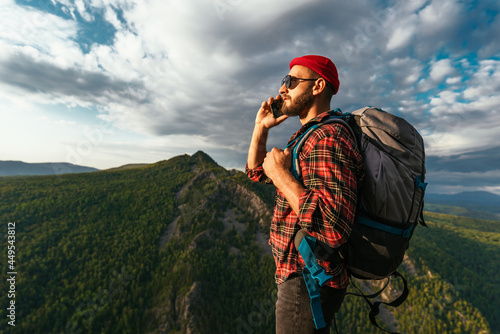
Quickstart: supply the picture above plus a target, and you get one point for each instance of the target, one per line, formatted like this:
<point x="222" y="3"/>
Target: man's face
<point x="298" y="98"/>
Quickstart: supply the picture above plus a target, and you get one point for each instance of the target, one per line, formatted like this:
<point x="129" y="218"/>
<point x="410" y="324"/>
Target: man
<point x="323" y="202"/>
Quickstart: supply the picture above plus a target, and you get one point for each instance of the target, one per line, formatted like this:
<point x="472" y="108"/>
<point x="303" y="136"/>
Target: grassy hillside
<point x="180" y="247"/>
<point x="88" y="251"/>
<point x="451" y="269"/>
<point x="459" y="258"/>
<point x="460" y="211"/>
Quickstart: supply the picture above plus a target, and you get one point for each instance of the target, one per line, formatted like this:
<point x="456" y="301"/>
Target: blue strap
<point x="306" y="249"/>
<point x="314" y="276"/>
<point x="296" y="148"/>
<point x="397" y="231"/>
<point x="302" y="135"/>
<point x="299" y="141"/>
<point x="313" y="290"/>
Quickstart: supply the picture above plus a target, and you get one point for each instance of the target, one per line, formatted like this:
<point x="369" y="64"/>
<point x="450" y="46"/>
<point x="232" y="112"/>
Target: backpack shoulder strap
<point x="299" y="141"/>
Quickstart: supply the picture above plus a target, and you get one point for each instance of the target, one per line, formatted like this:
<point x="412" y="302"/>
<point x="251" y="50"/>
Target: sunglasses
<point x="287" y="80"/>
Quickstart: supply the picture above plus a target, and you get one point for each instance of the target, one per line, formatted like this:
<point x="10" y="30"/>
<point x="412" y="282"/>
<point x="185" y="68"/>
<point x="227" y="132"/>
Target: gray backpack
<point x="390" y="201"/>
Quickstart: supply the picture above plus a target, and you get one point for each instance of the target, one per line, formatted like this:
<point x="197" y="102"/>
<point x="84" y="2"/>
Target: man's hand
<point x="265" y="116"/>
<point x="277" y="166"/>
<point x="277" y="163"/>
<point x="263" y="122"/>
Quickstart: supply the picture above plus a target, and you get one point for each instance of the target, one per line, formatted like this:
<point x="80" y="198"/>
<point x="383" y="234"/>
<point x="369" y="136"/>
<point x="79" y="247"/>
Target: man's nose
<point x="283" y="89"/>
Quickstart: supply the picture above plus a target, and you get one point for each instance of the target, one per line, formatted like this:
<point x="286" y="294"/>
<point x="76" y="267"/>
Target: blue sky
<point x="104" y="83"/>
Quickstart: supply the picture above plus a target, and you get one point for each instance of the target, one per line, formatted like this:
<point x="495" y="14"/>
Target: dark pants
<point x="293" y="308"/>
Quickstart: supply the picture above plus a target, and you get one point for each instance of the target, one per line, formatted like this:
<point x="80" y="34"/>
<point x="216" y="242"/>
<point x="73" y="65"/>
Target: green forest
<point x="180" y="247"/>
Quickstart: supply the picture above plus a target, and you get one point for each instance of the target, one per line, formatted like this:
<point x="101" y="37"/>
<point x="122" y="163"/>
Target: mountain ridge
<point x="18" y="168"/>
<point x="468" y="203"/>
<point x="476" y="197"/>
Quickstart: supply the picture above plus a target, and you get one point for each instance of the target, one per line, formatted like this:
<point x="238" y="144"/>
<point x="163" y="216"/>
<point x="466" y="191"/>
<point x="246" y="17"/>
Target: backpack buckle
<point x="306" y="249"/>
<point x="419" y="184"/>
<point x="320" y="275"/>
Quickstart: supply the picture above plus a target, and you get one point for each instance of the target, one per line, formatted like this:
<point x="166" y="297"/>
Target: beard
<point x="298" y="104"/>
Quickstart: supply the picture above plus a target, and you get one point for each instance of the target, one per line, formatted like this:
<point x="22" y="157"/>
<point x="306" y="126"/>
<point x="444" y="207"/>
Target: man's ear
<point x="319" y="86"/>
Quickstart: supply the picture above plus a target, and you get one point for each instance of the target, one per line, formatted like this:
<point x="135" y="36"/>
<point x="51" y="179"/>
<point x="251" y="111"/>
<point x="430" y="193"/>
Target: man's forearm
<point x="291" y="189"/>
<point x="257" y="151"/>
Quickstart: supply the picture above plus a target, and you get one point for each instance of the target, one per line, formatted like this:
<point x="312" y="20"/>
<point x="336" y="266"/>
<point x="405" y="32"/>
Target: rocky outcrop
<point x="177" y="312"/>
<point x="217" y="195"/>
<point x="243" y="198"/>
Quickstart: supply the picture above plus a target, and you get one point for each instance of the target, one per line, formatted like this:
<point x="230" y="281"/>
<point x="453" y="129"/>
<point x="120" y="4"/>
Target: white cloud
<point x="446" y="181"/>
<point x="439" y="16"/>
<point x="80" y="7"/>
<point x="445" y="98"/>
<point x="485" y="81"/>
<point x="28" y="27"/>
<point x="407" y="70"/>
<point x="402" y="36"/>
<point x="441" y="69"/>
<point x="453" y="80"/>
<point x="469" y="119"/>
<point x="111" y="16"/>
<point x="462" y="134"/>
<point x="455" y="189"/>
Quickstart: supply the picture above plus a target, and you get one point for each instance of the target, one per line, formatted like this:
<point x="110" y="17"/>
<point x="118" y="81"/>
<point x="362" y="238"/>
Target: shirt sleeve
<point x="257" y="175"/>
<point x="329" y="160"/>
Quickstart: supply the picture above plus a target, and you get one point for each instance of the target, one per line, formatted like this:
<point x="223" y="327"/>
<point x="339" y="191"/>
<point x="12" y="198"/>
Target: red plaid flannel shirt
<point x="332" y="170"/>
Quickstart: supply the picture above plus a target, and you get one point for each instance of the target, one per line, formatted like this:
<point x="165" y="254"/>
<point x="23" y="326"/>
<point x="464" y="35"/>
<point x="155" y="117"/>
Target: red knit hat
<point x="321" y="65"/>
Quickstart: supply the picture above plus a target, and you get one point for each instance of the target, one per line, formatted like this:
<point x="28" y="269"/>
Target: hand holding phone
<point x="276" y="107"/>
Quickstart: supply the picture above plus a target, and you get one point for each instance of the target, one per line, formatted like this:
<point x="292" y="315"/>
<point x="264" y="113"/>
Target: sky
<point x="103" y="83"/>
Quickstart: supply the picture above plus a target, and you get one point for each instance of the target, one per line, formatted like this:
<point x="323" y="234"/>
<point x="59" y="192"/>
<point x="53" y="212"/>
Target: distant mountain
<point x="472" y="200"/>
<point x="8" y="168"/>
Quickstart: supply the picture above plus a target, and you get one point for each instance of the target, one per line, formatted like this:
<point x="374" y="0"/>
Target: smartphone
<point x="276" y="108"/>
